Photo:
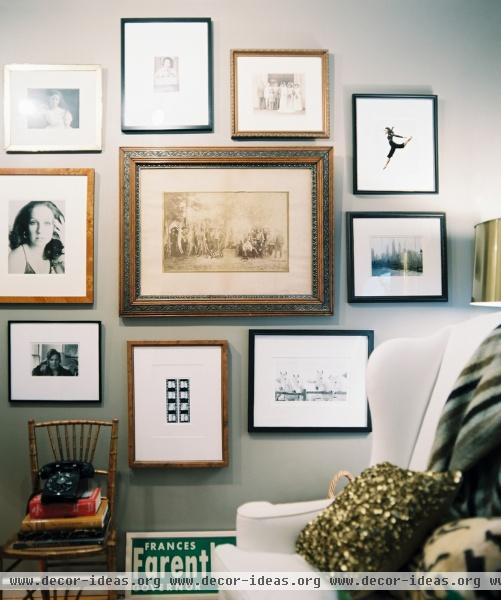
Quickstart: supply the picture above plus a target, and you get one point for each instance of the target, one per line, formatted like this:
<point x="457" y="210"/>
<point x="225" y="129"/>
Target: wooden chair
<point x="73" y="439"/>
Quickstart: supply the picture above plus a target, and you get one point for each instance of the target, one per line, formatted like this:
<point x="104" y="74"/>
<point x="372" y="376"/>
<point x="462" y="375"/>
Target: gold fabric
<point x="379" y="520"/>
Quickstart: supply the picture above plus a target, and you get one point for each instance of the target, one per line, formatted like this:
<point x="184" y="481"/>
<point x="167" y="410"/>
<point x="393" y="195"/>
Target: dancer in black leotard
<point x="390" y="134"/>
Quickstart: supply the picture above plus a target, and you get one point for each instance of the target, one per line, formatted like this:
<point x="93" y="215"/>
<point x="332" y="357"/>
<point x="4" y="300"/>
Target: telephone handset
<point x="66" y="480"/>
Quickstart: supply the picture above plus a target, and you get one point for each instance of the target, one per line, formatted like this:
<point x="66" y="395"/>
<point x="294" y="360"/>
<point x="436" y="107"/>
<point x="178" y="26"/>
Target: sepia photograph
<point x="226" y="232"/>
<point x="52" y="108"/>
<point x="166" y="74"/>
<point x="54" y="359"/>
<point x="311" y="379"/>
<point x="36" y="237"/>
<point x="280" y="92"/>
<point x="178" y="400"/>
<point x="396" y="256"/>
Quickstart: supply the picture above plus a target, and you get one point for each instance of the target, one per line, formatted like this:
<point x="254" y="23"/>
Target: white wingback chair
<point x="408" y="382"/>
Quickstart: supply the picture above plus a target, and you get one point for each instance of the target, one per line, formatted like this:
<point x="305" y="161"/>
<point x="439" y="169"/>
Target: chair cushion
<point x="379" y="520"/>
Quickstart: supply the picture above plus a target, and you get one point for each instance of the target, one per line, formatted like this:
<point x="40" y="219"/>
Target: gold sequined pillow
<point x="379" y="520"/>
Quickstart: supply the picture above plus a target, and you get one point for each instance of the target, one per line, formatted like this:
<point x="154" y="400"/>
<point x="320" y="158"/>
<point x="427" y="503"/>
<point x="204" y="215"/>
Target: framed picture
<point x="47" y="224"/>
<point x="167" y="75"/>
<point x="172" y="553"/>
<point x="397" y="257"/>
<point x="178" y="414"/>
<point x="41" y="352"/>
<point x="280" y="93"/>
<point x="395" y="144"/>
<point x="226" y="231"/>
<point x="53" y="108"/>
<point x="308" y="380"/>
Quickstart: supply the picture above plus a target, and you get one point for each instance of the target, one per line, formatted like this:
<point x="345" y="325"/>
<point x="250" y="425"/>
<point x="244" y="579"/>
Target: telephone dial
<point x="66" y="480"/>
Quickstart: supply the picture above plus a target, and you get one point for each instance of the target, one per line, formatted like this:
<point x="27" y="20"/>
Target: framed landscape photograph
<point x="397" y="257"/>
<point x="280" y="93"/>
<point x="40" y="352"/>
<point x="308" y="380"/>
<point x="226" y="231"/>
<point x="47" y="227"/>
<point x="395" y="145"/>
<point x="167" y="75"/>
<point x="178" y="405"/>
<point x="53" y="108"/>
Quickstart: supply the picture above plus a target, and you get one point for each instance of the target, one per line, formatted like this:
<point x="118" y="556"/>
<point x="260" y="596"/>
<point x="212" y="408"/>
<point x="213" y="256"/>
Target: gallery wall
<point x="449" y="48"/>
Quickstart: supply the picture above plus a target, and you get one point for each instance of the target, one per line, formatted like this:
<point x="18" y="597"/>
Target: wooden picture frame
<point x="280" y="94"/>
<point x="252" y="236"/>
<point x="395" y="144"/>
<point x="40" y="350"/>
<point x="167" y="82"/>
<point x="178" y="403"/>
<point x="308" y="380"/>
<point x="396" y="257"/>
<point x="59" y="269"/>
<point x="53" y="108"/>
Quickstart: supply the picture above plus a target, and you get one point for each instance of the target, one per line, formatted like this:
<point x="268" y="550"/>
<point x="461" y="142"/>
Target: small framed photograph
<point x="226" y="231"/>
<point x="397" y="257"/>
<point x="280" y="93"/>
<point x="167" y="75"/>
<point x="395" y="145"/>
<point x="308" y="380"/>
<point x="47" y="224"/>
<point x="178" y="409"/>
<point x="41" y="352"/>
<point x="53" y="108"/>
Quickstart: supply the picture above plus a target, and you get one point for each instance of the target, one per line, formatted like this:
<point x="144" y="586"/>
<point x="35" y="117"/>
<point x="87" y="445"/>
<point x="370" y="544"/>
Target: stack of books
<point x="65" y="524"/>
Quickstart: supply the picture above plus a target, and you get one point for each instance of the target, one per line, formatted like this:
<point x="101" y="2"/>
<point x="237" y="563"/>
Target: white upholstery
<point x="408" y="381"/>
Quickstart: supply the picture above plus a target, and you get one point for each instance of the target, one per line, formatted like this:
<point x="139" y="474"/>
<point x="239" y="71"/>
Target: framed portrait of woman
<point x="53" y="108"/>
<point x="47" y="224"/>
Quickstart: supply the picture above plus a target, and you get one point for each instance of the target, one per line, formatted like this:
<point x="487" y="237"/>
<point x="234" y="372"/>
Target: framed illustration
<point x="395" y="145"/>
<point x="172" y="553"/>
<point x="397" y="257"/>
<point x="280" y="93"/>
<point x="41" y="352"/>
<point x="167" y="75"/>
<point x="308" y="380"/>
<point x="178" y="413"/>
<point x="53" y="108"/>
<point x="47" y="224"/>
<point x="226" y="231"/>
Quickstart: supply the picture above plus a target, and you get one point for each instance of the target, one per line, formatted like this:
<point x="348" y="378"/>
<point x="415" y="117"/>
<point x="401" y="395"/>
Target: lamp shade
<point x="487" y="265"/>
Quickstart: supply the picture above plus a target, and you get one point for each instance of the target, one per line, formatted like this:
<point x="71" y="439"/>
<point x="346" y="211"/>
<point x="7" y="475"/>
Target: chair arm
<point x="266" y="527"/>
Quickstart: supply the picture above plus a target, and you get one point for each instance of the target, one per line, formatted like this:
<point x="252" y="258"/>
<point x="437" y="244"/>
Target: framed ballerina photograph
<point x="395" y="146"/>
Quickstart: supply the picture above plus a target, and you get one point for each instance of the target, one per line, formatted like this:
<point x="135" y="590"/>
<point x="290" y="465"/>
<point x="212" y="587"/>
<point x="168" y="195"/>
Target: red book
<point x="85" y="506"/>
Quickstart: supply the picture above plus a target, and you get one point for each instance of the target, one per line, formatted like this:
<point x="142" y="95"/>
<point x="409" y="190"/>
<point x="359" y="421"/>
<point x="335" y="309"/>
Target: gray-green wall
<point x="451" y="48"/>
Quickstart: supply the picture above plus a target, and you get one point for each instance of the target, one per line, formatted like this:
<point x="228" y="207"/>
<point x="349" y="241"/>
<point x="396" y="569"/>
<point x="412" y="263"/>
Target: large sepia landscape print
<point x="226" y="232"/>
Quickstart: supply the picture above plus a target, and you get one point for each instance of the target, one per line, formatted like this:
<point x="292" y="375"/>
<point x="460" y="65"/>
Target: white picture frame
<point x="54" y="361"/>
<point x="53" y="108"/>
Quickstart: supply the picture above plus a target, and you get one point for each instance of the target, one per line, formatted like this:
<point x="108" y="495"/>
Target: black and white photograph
<point x="166" y="74"/>
<point x="54" y="360"/>
<point x="396" y="257"/>
<point x="280" y="92"/>
<point x="304" y="380"/>
<point x="55" y="109"/>
<point x="36" y="237"/>
<point x="226" y="232"/>
<point x="178" y="410"/>
<point x="395" y="144"/>
<point x="42" y="351"/>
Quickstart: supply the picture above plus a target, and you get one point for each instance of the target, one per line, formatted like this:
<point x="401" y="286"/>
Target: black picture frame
<point x="377" y="120"/>
<point x="425" y="276"/>
<point x="165" y="92"/>
<point x="78" y="344"/>
<point x="310" y="406"/>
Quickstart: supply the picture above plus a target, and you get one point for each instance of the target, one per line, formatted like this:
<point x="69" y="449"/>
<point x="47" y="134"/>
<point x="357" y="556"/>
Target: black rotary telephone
<point x="66" y="480"/>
